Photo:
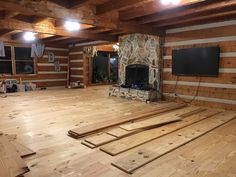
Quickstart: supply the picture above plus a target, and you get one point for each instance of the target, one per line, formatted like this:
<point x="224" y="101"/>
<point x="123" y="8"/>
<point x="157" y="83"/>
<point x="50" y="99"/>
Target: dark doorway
<point x="137" y="76"/>
<point x="105" y="67"/>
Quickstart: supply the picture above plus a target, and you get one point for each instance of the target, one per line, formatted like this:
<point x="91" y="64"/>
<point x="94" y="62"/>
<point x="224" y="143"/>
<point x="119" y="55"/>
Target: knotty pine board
<point x="140" y="138"/>
<point x="119" y="132"/>
<point x="171" y="142"/>
<point x="162" y="119"/>
<point x="11" y="163"/>
<point x="212" y="155"/>
<point x="100" y="139"/>
<point x="83" y="131"/>
<point x="103" y="138"/>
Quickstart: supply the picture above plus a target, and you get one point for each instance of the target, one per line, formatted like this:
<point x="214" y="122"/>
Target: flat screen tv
<point x="196" y="61"/>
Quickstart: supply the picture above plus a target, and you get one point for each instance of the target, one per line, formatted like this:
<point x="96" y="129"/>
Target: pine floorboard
<point x="41" y="120"/>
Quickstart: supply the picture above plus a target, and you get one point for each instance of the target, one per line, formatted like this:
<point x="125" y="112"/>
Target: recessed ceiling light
<point x="165" y="2"/>
<point x="174" y="2"/>
<point x="72" y="26"/>
<point x="29" y="36"/>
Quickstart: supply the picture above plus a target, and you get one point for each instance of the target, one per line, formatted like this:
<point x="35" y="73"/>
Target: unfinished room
<point x="117" y="88"/>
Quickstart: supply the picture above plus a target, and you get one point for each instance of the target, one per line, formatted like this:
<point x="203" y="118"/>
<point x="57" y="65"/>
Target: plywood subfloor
<point x="41" y="120"/>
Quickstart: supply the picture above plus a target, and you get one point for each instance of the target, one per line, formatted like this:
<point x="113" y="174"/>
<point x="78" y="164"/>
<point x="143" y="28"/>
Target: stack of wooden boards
<point x="11" y="154"/>
<point x="152" y="134"/>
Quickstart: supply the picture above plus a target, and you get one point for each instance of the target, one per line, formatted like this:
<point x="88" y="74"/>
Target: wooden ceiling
<point x="104" y="20"/>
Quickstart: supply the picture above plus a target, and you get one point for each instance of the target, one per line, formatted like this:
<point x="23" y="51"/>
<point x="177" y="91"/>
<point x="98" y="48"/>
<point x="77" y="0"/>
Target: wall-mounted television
<point x="196" y="61"/>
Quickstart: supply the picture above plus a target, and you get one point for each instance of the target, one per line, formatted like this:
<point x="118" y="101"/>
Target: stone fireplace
<point x="139" y="71"/>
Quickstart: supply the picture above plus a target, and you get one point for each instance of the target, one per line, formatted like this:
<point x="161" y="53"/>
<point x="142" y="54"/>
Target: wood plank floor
<point x="41" y="120"/>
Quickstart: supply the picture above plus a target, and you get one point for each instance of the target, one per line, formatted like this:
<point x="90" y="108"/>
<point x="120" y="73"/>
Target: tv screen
<point x="196" y="61"/>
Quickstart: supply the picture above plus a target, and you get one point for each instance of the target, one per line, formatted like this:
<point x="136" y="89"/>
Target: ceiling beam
<point x="116" y="5"/>
<point x="150" y="8"/>
<point x="48" y="29"/>
<point x="100" y="30"/>
<point x="70" y="41"/>
<point x="77" y="3"/>
<point x="3" y="32"/>
<point x="63" y="3"/>
<point x="70" y="4"/>
<point x="54" y="39"/>
<point x="229" y="14"/>
<point x="197" y="9"/>
<point x="10" y="14"/>
<point x="47" y="9"/>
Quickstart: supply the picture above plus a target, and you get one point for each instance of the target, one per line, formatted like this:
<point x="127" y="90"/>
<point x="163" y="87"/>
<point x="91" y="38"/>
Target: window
<point x="6" y="62"/>
<point x="18" y="60"/>
<point x="24" y="62"/>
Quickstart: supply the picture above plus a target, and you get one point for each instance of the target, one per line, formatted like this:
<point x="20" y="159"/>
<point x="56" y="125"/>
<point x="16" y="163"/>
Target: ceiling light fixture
<point x="29" y="36"/>
<point x="116" y="46"/>
<point x="166" y="2"/>
<point x="72" y="26"/>
<point x="175" y="2"/>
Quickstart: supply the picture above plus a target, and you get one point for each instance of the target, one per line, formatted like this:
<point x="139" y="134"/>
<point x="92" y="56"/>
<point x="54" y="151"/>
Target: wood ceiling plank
<point x="10" y="14"/>
<point x="114" y="5"/>
<point x="77" y="3"/>
<point x="197" y="9"/>
<point x="54" y="39"/>
<point x="4" y="32"/>
<point x="181" y="20"/>
<point x="150" y="8"/>
<point x="63" y="3"/>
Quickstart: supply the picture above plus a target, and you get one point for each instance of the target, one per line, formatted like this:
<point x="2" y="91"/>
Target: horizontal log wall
<point x="45" y="75"/>
<point x="219" y="92"/>
<point x="77" y="64"/>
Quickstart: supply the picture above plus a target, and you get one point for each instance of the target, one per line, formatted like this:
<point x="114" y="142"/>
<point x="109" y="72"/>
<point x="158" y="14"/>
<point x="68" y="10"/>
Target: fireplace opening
<point x="137" y="76"/>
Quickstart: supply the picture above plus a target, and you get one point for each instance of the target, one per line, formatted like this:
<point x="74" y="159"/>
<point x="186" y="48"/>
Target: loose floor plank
<point x="119" y="132"/>
<point x="22" y="149"/>
<point x="212" y="155"/>
<point x="162" y="119"/>
<point x="88" y="144"/>
<point x="100" y="139"/>
<point x="140" y="138"/>
<point x="103" y="138"/>
<point x="86" y="130"/>
<point x="171" y="142"/>
<point x="10" y="161"/>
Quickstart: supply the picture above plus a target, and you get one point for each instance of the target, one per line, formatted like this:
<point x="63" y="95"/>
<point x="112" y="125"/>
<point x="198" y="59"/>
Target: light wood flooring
<point x="41" y="120"/>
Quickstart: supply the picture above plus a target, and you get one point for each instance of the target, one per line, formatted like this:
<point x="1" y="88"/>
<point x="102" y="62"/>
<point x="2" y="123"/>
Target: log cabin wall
<point x="218" y="92"/>
<point x="45" y="74"/>
<point x="78" y="64"/>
